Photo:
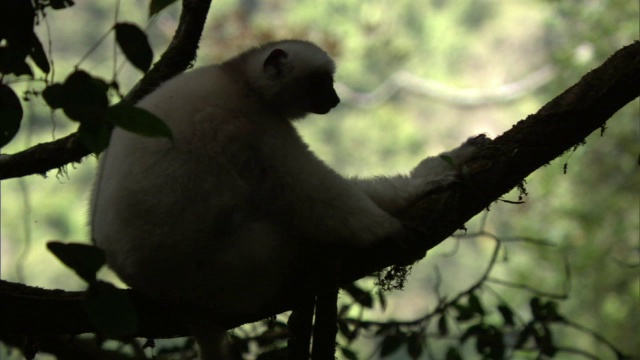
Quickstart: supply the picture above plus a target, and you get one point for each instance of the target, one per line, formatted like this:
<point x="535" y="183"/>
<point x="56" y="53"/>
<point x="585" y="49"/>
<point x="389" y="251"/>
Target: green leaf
<point x="84" y="259"/>
<point x="84" y="97"/>
<point x="110" y="310"/>
<point x="10" y="114"/>
<point x="390" y="344"/>
<point x="155" y="6"/>
<point x="134" y="44"/>
<point x="138" y="121"/>
<point x="95" y="136"/>
<point x="360" y="296"/>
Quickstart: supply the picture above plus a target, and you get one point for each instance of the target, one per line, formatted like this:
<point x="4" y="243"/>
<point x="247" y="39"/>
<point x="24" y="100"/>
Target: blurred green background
<point x="416" y="77"/>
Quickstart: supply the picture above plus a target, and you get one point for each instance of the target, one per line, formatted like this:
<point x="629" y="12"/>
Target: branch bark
<point x="561" y="124"/>
<point x="179" y="55"/>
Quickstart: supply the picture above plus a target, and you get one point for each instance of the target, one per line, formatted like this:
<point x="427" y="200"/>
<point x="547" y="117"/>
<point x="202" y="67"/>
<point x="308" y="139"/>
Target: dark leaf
<point x="474" y="330"/>
<point x="61" y="4"/>
<point x="12" y="62"/>
<point x="443" y="328"/>
<point x="134" y="45"/>
<point x="276" y="354"/>
<point x="348" y="353"/>
<point x="95" y="136"/>
<point x="110" y="310"/>
<point x="489" y="342"/>
<point x="536" y="308"/>
<point x="464" y="312"/>
<point x="383" y="301"/>
<point x="138" y="121"/>
<point x="10" y="114"/>
<point x="524" y="335"/>
<point x="16" y="25"/>
<point x="360" y="296"/>
<point x="414" y="345"/>
<point x="346" y="331"/>
<point x="85" y="97"/>
<point x="155" y="6"/>
<point x="344" y="309"/>
<point x="474" y="304"/>
<point x="621" y="356"/>
<point x="54" y="96"/>
<point x="507" y="314"/>
<point x="453" y="354"/>
<point x="390" y="344"/>
<point x="544" y="340"/>
<point x="551" y="311"/>
<point x="38" y="56"/>
<point x="84" y="259"/>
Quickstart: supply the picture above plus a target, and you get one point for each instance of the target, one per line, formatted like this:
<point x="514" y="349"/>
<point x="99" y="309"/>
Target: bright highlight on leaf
<point x="84" y="259"/>
<point x="134" y="44"/>
<point x="10" y="114"/>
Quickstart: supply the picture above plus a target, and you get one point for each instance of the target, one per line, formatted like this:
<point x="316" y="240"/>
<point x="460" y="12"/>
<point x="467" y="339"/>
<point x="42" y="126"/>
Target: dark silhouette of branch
<point x="560" y="125"/>
<point x="178" y="57"/>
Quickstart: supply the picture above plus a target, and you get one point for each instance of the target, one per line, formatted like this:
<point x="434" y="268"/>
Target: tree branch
<point x="406" y="81"/>
<point x="560" y="125"/>
<point x="178" y="57"/>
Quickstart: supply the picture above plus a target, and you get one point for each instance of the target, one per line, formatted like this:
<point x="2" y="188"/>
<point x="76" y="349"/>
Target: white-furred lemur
<point x="224" y="214"/>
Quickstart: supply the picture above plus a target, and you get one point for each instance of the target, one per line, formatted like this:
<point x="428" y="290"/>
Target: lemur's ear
<point x="276" y="62"/>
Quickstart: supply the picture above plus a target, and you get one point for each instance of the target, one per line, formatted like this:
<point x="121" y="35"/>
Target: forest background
<point x="416" y="78"/>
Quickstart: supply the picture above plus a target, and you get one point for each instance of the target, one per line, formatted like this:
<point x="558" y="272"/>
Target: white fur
<point x="218" y="216"/>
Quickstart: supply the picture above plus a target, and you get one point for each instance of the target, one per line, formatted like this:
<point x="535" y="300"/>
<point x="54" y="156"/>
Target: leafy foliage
<point x="83" y="98"/>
